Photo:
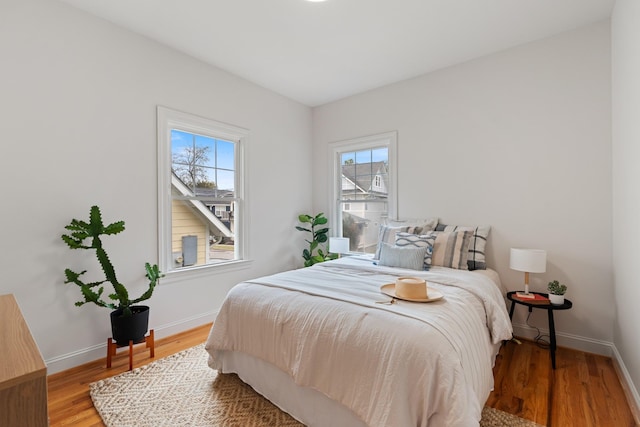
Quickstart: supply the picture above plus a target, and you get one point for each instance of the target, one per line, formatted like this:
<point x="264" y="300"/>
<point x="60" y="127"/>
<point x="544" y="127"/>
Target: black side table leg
<point x="513" y="305"/>
<point x="552" y="336"/>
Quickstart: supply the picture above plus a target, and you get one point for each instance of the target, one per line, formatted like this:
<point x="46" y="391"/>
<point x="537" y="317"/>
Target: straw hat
<point x="411" y="289"/>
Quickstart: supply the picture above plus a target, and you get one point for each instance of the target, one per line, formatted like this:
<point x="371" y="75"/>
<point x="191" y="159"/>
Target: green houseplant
<point x="128" y="321"/>
<point x="318" y="238"/>
<point x="556" y="292"/>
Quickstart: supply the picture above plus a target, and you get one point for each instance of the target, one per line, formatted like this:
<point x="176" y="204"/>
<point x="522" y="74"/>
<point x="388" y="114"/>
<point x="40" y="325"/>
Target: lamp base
<point x="526" y="295"/>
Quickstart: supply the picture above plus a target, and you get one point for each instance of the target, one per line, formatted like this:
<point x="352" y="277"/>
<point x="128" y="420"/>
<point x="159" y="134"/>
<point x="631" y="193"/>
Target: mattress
<point x="323" y="332"/>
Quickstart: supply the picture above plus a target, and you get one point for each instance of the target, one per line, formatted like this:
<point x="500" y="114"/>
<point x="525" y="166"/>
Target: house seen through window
<point x="201" y="191"/>
<point x="203" y="171"/>
<point x="364" y="196"/>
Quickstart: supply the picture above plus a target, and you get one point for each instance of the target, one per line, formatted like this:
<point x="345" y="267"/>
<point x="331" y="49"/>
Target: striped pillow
<point x="477" y="258"/>
<point x="418" y="241"/>
<point x="451" y="249"/>
<point x="387" y="234"/>
<point x="402" y="257"/>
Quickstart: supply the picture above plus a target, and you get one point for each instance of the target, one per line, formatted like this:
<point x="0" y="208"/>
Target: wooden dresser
<point x="23" y="374"/>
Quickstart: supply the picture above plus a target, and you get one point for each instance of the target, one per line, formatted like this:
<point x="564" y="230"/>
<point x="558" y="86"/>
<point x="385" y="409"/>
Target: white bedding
<point x="406" y="364"/>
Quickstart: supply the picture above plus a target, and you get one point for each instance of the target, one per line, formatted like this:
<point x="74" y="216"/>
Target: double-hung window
<point x="363" y="188"/>
<point x="200" y="192"/>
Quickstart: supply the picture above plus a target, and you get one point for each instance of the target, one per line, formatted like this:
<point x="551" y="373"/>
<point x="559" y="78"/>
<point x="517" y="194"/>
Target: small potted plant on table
<point x="129" y="322"/>
<point x="556" y="292"/>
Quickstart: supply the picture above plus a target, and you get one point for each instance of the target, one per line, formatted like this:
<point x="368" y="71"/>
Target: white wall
<point x="519" y="140"/>
<point x="78" y="103"/>
<point x="626" y="179"/>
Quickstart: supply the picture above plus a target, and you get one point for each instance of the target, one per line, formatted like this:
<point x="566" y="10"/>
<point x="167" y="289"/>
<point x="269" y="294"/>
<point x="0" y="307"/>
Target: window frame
<point x="167" y="120"/>
<point x="336" y="149"/>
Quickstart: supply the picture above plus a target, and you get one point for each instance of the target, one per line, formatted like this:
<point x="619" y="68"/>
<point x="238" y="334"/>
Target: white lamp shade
<point x="339" y="245"/>
<point x="528" y="260"/>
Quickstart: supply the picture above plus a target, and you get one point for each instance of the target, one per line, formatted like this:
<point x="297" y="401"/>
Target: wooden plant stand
<point x="112" y="348"/>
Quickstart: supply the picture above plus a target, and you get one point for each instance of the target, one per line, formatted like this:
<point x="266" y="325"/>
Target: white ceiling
<point x="320" y="52"/>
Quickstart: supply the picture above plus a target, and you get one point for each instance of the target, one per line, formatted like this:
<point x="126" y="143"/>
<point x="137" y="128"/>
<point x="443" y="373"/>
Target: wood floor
<point x="583" y="390"/>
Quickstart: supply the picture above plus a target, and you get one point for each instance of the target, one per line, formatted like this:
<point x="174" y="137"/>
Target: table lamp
<point x="339" y="245"/>
<point x="529" y="261"/>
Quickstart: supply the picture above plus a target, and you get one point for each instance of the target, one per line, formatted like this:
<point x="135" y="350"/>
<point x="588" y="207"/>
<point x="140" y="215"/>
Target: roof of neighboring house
<point x="361" y="174"/>
<point x="198" y="206"/>
<point x="213" y="192"/>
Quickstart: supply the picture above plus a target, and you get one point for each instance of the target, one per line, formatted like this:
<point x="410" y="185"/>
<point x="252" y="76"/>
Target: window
<point x="200" y="192"/>
<point x="364" y="188"/>
<point x="377" y="183"/>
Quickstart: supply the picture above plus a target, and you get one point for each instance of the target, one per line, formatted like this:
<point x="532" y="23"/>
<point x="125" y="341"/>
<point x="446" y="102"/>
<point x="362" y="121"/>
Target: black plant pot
<point x="130" y="328"/>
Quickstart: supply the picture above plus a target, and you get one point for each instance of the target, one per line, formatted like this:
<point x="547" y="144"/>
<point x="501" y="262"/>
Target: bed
<point x="320" y="343"/>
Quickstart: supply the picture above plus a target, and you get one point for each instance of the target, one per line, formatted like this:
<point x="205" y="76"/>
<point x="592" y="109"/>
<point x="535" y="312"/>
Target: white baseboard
<point x="95" y="352"/>
<point x="590" y="345"/>
<point x="627" y="384"/>
<point x="576" y="342"/>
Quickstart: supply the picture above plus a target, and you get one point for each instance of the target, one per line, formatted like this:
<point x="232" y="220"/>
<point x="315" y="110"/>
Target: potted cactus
<point x="128" y="320"/>
<point x="556" y="292"/>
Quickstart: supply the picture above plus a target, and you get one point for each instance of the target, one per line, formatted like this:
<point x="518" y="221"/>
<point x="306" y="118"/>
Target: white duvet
<point x="406" y="364"/>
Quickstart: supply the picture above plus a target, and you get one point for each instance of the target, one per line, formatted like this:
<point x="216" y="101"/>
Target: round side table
<point x="511" y="296"/>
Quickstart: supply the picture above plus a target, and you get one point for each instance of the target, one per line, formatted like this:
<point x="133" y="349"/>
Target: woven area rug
<point x="181" y="390"/>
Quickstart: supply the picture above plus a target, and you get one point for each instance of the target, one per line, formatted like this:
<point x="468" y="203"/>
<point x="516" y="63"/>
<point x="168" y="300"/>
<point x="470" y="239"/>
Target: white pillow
<point x="425" y="224"/>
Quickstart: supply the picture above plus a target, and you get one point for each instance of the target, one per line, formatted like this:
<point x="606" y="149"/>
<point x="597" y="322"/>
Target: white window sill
<point x="204" y="271"/>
